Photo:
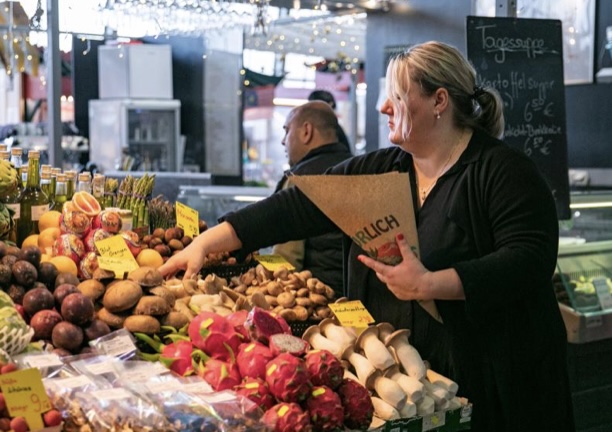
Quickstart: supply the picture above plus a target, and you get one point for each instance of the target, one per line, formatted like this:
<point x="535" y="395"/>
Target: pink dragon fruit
<point x="357" y="403"/>
<point x="325" y="409"/>
<point x="237" y="319"/>
<point x="176" y="356"/>
<point x="282" y="342"/>
<point x="287" y="417"/>
<point x="219" y="374"/>
<point x="324" y="368"/>
<point x="256" y="390"/>
<point x="262" y="324"/>
<point x="252" y="359"/>
<point x="214" y="335"/>
<point x="288" y="378"/>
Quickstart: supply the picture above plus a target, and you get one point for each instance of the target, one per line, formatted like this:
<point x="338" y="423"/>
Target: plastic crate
<point x="227" y="271"/>
<point x="299" y="327"/>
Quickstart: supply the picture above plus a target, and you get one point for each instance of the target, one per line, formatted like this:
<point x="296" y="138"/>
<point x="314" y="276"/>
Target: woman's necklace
<point x="424" y="191"/>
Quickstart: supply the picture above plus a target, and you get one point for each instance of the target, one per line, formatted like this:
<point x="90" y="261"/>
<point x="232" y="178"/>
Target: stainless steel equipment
<point x="135" y="134"/>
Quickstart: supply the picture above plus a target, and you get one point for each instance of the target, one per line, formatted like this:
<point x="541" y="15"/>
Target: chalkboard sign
<point x="523" y="60"/>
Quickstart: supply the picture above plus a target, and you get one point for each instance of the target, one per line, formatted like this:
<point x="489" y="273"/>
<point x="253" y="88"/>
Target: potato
<point x="121" y="296"/>
<point x="152" y="305"/>
<point x="94" y="289"/>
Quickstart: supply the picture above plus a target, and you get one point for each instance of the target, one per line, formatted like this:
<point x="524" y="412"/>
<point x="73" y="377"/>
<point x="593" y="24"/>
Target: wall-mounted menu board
<point x="523" y="60"/>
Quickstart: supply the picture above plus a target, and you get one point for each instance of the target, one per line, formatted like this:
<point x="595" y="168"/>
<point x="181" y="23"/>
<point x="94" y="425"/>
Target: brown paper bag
<point x="371" y="209"/>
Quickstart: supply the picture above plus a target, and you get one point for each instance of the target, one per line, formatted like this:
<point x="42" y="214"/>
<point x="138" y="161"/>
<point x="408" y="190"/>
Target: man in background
<point x="312" y="146"/>
<point x="328" y="98"/>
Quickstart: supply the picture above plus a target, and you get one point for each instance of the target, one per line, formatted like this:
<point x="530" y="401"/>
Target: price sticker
<point x="115" y="256"/>
<point x="352" y="314"/>
<point x="188" y="219"/>
<point x="274" y="262"/>
<point x="603" y="293"/>
<point x="434" y="421"/>
<point x="25" y="396"/>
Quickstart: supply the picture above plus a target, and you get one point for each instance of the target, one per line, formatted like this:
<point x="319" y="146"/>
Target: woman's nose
<point x="386" y="107"/>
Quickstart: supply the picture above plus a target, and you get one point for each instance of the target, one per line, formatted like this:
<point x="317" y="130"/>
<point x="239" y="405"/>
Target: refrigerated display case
<point x="583" y="282"/>
<point x="135" y="134"/>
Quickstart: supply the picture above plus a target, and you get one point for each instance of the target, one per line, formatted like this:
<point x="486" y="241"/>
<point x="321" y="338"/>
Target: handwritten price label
<point x="115" y="256"/>
<point x="25" y="396"/>
<point x="352" y="314"/>
<point x="274" y="262"/>
<point x="188" y="219"/>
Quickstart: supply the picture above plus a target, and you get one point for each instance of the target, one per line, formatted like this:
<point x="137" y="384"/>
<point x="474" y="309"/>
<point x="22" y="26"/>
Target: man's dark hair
<point x="323" y="95"/>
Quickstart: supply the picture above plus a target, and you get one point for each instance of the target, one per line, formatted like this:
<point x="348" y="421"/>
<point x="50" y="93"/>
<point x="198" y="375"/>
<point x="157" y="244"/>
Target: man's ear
<point x="307" y="132"/>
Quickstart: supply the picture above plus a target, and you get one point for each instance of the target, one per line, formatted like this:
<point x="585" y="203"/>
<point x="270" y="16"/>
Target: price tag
<point x="274" y="262"/>
<point x="603" y="293"/>
<point x="434" y="421"/>
<point x="115" y="256"/>
<point x="351" y="314"/>
<point x="25" y="396"/>
<point x="188" y="219"/>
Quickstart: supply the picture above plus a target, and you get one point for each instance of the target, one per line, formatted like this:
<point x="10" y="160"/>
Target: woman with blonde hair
<point x="488" y="237"/>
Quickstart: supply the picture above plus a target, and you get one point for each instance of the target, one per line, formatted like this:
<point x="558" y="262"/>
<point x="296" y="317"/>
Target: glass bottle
<point x="61" y="192"/>
<point x="33" y="201"/>
<point x="4" y="147"/>
<point x="97" y="188"/>
<point x="84" y="182"/>
<point x="5" y="155"/>
<point x="46" y="185"/>
<point x="11" y="199"/>
<point x="71" y="177"/>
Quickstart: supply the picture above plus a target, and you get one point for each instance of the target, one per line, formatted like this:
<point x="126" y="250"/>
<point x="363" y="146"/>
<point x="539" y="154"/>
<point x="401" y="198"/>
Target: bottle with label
<point x="97" y="188"/>
<point x="46" y="185"/>
<point x="61" y="193"/>
<point x="5" y="155"/>
<point x="11" y="199"/>
<point x="33" y="201"/>
<point x="84" y="182"/>
<point x="71" y="177"/>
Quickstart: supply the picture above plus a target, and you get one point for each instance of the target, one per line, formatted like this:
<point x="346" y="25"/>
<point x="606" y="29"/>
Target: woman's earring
<point x="437" y="114"/>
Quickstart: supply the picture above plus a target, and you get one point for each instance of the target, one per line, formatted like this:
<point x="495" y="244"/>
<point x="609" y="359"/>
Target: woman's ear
<point x="441" y="99"/>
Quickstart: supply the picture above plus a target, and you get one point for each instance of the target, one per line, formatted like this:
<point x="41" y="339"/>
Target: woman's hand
<point x="408" y="279"/>
<point x="189" y="259"/>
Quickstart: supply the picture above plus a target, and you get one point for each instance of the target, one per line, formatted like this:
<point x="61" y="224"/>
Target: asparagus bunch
<point x="143" y="188"/>
<point x="110" y="191"/>
<point x="161" y="213"/>
<point x="125" y="192"/>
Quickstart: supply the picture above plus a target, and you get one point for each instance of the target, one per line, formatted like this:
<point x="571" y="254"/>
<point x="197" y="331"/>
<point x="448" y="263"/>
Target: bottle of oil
<point x="33" y="201"/>
<point x="71" y="179"/>
<point x="84" y="182"/>
<point x="97" y="187"/>
<point x="61" y="194"/>
<point x="11" y="199"/>
<point x="5" y="155"/>
<point x="47" y="186"/>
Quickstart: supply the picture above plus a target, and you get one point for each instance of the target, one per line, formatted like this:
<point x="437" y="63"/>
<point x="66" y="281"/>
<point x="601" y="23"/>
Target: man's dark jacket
<point x="322" y="254"/>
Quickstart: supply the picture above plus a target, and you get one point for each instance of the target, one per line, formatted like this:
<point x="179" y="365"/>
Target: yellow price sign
<point x="274" y="262"/>
<point x="188" y="219"/>
<point x="352" y="314"/>
<point x="115" y="256"/>
<point x="25" y="396"/>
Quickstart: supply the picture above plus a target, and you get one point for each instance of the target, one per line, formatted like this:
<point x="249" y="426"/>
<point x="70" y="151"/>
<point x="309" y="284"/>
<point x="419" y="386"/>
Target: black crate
<point x="299" y="327"/>
<point x="227" y="271"/>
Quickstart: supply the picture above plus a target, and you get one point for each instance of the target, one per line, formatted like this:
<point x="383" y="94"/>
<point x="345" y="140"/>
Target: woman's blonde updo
<point x="434" y="65"/>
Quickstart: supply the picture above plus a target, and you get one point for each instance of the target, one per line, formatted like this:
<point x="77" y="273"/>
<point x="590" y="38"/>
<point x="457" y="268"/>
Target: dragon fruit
<point x="282" y="342"/>
<point x="219" y="374"/>
<point x="237" y="319"/>
<point x="252" y="359"/>
<point x="256" y="390"/>
<point x="325" y="409"/>
<point x="288" y="378"/>
<point x="324" y="368"/>
<point x="357" y="403"/>
<point x="287" y="417"/>
<point x="262" y="324"/>
<point x="176" y="356"/>
<point x="214" y="335"/>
